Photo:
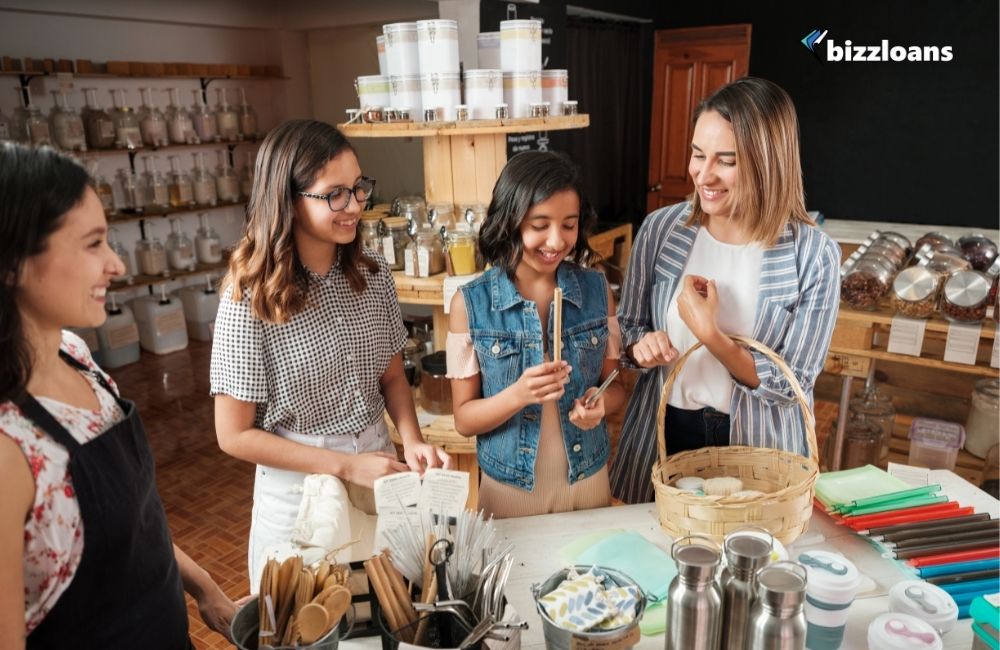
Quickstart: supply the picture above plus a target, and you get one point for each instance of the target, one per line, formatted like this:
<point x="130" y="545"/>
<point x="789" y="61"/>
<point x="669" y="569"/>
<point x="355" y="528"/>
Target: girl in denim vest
<point x="540" y="447"/>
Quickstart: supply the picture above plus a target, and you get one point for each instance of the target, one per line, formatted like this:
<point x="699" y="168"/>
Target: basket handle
<point x="807" y="416"/>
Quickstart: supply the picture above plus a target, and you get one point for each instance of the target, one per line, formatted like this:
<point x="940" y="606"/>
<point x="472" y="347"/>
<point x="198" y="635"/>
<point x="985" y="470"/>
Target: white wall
<point x="37" y="35"/>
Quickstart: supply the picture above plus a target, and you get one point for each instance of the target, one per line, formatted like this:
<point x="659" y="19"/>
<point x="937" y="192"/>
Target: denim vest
<point x="507" y="336"/>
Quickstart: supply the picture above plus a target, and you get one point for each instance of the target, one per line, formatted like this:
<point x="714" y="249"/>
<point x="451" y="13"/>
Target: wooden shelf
<point x="420" y="291"/>
<point x="884" y="316"/>
<point x="169" y="147"/>
<point x="153" y="280"/>
<point x="104" y="75"/>
<point x="923" y="361"/>
<point x="125" y="217"/>
<point x="471" y="127"/>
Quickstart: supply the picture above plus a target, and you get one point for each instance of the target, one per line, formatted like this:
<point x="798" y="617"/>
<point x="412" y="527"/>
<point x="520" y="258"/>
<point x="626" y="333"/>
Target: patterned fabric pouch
<point x="578" y="604"/>
<point x="625" y="601"/>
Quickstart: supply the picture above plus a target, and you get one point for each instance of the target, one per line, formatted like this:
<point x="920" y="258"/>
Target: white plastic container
<point x="488" y="50"/>
<point x="383" y="68"/>
<point x="404" y="92"/>
<point x="483" y="91"/>
<point x="437" y="45"/>
<point x="201" y="304"/>
<point x="520" y="91"/>
<point x="162" y="329"/>
<point x="833" y="584"/>
<point x="89" y="336"/>
<point x="555" y="89"/>
<point x="119" y="336"/>
<point x="927" y="602"/>
<point x="373" y="91"/>
<point x="441" y="91"/>
<point x="401" y="54"/>
<point x="894" y="631"/>
<point x="520" y="45"/>
<point x="935" y="443"/>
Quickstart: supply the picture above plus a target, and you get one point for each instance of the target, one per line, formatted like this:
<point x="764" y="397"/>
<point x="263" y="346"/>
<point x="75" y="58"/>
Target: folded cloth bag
<point x="578" y="604"/>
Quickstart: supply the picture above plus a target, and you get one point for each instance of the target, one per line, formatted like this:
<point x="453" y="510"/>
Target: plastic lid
<point x="925" y="601"/>
<point x="937" y="433"/>
<point x="833" y="578"/>
<point x="894" y="631"/>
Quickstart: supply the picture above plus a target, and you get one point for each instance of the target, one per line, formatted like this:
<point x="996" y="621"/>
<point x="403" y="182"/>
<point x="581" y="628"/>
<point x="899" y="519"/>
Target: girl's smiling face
<point x="549" y="231"/>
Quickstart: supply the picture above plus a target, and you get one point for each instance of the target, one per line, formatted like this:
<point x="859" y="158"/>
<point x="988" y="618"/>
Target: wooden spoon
<point x="322" y="572"/>
<point x="313" y="622"/>
<point x="304" y="590"/>
<point x="337" y="603"/>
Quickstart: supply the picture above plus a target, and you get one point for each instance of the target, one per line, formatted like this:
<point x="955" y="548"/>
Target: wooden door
<point x="688" y="65"/>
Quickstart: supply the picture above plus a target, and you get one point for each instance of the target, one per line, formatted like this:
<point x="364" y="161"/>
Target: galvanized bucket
<point x="246" y="625"/>
<point x="557" y="638"/>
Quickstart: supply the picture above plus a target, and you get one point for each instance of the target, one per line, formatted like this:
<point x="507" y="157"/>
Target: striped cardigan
<point x="796" y="311"/>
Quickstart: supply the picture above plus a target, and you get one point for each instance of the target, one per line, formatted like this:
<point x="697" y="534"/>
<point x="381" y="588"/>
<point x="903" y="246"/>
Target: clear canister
<point x="429" y="252"/>
<point x="915" y="292"/>
<point x="394" y="240"/>
<point x="371" y="230"/>
<point x="462" y="251"/>
<point x="864" y="285"/>
<point x="979" y="250"/>
<point x="965" y="295"/>
<point x="982" y="428"/>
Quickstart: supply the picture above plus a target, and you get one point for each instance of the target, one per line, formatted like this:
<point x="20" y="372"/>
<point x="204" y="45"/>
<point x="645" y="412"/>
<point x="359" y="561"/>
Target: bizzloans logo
<point x="848" y="52"/>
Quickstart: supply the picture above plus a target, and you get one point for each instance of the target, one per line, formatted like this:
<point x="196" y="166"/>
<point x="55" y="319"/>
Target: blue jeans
<point x="694" y="429"/>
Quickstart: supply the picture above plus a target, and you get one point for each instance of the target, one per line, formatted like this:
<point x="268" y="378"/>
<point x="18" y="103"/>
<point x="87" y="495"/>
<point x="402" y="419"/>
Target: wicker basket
<point x="786" y="479"/>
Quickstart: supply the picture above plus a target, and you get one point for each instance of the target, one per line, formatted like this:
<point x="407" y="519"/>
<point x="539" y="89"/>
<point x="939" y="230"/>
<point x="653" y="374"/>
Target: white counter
<point x="538" y="539"/>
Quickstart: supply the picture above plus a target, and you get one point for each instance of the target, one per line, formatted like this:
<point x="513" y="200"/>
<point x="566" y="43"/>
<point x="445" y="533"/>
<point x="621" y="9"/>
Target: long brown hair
<point x="769" y="172"/>
<point x="265" y="263"/>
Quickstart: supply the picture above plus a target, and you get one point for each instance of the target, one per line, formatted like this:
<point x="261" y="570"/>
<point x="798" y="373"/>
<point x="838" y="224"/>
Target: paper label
<point x="626" y="641"/>
<point x="962" y="343"/>
<point x="169" y="322"/>
<point x="389" y="251"/>
<point x="906" y="336"/>
<point x="398" y="497"/>
<point x="65" y="80"/>
<point x="122" y="336"/>
<point x="423" y="262"/>
<point x="409" y="263"/>
<point x="995" y="357"/>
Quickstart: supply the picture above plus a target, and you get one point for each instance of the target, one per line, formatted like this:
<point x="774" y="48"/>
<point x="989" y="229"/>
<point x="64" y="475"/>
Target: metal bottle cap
<point x="746" y="552"/>
<point x="696" y="561"/>
<point x="967" y="288"/>
<point x="915" y="283"/>
<point x="782" y="585"/>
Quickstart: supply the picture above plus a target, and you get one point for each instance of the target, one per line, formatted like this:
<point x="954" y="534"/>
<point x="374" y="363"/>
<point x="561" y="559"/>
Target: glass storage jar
<point x="990" y="481"/>
<point x="993" y="273"/>
<point x="915" y="292"/>
<point x="151" y="257"/>
<point x="964" y="296"/>
<point x="933" y="238"/>
<point x="864" y="284"/>
<point x="979" y="250"/>
<point x="898" y="239"/>
<point x="862" y="446"/>
<point x="889" y="250"/>
<point x="411" y="208"/>
<point x="427" y="253"/>
<point x="474" y="215"/>
<point x="394" y="240"/>
<point x="413" y="352"/>
<point x="462" y="251"/>
<point x="371" y="230"/>
<point x="874" y="406"/>
<point x="982" y="428"/>
<point x="435" y="387"/>
<point x="441" y="214"/>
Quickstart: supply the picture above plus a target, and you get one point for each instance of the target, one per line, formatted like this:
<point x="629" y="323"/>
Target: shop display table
<point x="537" y="541"/>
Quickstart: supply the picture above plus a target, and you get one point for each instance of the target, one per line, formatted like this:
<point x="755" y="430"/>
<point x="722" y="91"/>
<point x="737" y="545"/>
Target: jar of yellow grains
<point x="462" y="251"/>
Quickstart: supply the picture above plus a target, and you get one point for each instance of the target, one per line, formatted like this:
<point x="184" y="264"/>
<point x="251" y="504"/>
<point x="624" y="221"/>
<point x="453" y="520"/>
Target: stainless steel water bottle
<point x="745" y="555"/>
<point x="694" y="601"/>
<point x="777" y="621"/>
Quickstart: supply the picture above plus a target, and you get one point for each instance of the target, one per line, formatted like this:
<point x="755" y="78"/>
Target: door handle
<point x="655" y="188"/>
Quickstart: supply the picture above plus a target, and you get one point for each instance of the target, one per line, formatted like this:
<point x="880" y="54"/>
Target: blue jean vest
<point x="507" y="336"/>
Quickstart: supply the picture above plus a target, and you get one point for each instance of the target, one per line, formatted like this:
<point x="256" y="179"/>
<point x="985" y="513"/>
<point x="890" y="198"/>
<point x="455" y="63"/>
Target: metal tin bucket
<point x="246" y="625"/>
<point x="556" y="638"/>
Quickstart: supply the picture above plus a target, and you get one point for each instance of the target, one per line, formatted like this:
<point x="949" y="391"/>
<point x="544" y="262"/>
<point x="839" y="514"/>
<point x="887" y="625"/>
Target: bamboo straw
<point x="386" y="597"/>
<point x="557" y="298"/>
<point x="403" y="598"/>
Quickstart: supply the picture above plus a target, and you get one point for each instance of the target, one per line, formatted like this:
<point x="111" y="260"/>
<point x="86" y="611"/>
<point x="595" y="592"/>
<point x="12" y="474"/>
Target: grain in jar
<point x="979" y="250"/>
<point x="915" y="292"/>
<point x="965" y="296"/>
<point x="462" y="252"/>
<point x="394" y="241"/>
<point x="864" y="285"/>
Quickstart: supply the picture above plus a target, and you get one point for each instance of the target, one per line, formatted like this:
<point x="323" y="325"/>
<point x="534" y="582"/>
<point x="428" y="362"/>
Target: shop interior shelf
<point x="104" y="75"/>
<point x="157" y="149"/>
<point x="471" y="127"/>
<point x="153" y="280"/>
<point x="125" y="217"/>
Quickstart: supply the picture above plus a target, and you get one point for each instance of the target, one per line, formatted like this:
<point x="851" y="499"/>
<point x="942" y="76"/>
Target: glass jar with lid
<point x="441" y="214"/>
<point x="964" y="298"/>
<point x="395" y="237"/>
<point x="933" y="238"/>
<point x="411" y="208"/>
<point x="474" y="215"/>
<point x="889" y="250"/>
<point x="993" y="273"/>
<point x="425" y="255"/>
<point x="979" y="250"/>
<point x="151" y="256"/>
<point x="862" y="446"/>
<point x="982" y="428"/>
<point x="944" y="264"/>
<point x="462" y="251"/>
<point x="371" y="230"/>
<point x="915" y="292"/>
<point x="864" y="284"/>
<point x="900" y="240"/>
<point x="413" y="352"/>
<point x="874" y="406"/>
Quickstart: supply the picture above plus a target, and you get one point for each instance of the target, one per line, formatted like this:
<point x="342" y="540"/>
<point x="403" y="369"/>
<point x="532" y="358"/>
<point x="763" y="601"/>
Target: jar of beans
<point x="965" y="296"/>
<point x="864" y="285"/>
<point x="979" y="250"/>
<point x="915" y="292"/>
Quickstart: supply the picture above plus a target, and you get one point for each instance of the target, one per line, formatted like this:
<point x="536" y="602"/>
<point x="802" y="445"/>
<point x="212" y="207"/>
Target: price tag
<point x="906" y="336"/>
<point x="962" y="343"/>
<point x="451" y="285"/>
<point x="65" y="80"/>
<point x="995" y="359"/>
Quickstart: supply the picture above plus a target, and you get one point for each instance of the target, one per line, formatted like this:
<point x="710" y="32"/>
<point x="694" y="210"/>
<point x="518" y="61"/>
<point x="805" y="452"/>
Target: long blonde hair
<point x="769" y="193"/>
<point x="265" y="263"/>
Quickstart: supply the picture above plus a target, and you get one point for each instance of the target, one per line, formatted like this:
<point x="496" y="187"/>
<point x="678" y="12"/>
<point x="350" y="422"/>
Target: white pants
<point x="277" y="496"/>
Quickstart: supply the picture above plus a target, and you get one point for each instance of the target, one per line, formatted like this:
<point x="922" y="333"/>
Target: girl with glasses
<point x="306" y="357"/>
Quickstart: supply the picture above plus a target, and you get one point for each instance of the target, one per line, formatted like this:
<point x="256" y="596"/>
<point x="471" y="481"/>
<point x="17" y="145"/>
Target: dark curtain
<point x="610" y="74"/>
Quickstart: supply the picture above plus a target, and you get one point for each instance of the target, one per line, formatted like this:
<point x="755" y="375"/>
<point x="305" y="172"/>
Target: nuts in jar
<point x="933" y="238"/>
<point x="965" y="296"/>
<point x="914" y="292"/>
<point x="979" y="250"/>
<point x="865" y="283"/>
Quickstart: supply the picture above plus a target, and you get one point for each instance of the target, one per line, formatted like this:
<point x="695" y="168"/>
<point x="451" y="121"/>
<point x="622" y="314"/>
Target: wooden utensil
<point x="313" y="622"/>
<point x="557" y="298"/>
<point x="304" y="589"/>
<point x="322" y="573"/>
<point x="337" y="603"/>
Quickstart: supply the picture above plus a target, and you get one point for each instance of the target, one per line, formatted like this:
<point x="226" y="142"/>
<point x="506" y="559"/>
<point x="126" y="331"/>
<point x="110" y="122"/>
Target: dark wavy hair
<point x="38" y="186"/>
<point x="265" y="263"/>
<point x="527" y="179"/>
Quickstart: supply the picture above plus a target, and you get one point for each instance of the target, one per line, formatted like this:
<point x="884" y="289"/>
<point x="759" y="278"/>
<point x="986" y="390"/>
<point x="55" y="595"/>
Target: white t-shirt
<point x="704" y="381"/>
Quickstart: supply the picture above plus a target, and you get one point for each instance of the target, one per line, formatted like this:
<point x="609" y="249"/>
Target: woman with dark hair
<point x="306" y="357"/>
<point x="86" y="557"/>
<point x="741" y="257"/>
<point x="540" y="446"/>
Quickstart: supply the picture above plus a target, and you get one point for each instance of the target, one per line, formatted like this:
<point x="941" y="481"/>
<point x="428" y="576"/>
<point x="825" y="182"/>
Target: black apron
<point x="127" y="591"/>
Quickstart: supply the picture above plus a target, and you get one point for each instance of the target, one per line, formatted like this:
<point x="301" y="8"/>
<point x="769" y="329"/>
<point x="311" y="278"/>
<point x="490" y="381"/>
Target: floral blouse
<point x="53" y="531"/>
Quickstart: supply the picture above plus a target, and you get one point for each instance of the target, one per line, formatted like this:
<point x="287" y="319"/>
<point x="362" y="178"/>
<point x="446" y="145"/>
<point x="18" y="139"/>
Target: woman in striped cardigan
<point x="741" y="257"/>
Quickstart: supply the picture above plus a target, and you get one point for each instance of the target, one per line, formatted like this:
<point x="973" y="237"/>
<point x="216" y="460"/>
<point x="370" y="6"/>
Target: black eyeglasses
<point x="340" y="197"/>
